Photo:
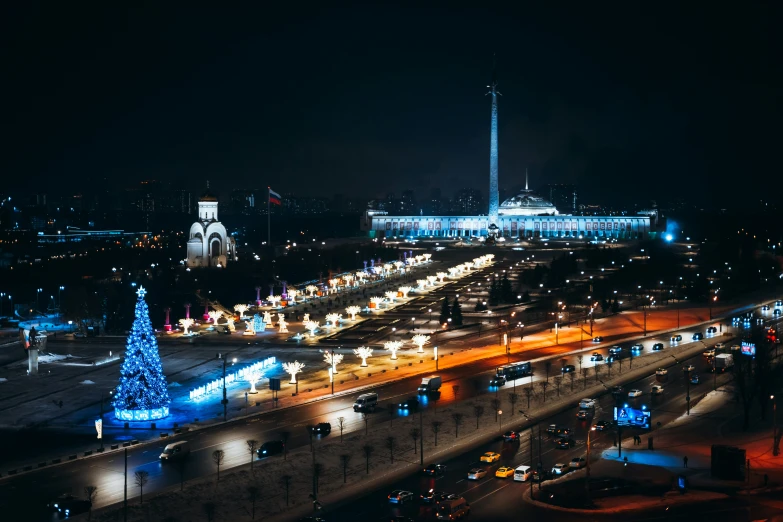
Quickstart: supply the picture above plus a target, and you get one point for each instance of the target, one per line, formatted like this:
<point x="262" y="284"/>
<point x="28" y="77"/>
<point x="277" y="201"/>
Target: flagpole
<point x="269" y="216"/>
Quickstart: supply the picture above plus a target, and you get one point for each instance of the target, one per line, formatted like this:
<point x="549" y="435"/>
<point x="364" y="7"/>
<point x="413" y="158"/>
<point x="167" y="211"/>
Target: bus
<point x="515" y="370"/>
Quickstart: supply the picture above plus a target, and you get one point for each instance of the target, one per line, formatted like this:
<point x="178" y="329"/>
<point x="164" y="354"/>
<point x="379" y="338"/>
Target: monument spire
<point x="526" y="189"/>
<point x="493" y="148"/>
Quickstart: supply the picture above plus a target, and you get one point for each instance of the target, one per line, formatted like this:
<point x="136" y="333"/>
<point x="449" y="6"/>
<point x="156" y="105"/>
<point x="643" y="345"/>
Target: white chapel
<point x="209" y="245"/>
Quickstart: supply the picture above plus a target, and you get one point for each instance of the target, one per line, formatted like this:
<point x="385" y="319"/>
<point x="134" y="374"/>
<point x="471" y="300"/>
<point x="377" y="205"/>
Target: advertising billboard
<point x="626" y="416"/>
<point x="748" y="348"/>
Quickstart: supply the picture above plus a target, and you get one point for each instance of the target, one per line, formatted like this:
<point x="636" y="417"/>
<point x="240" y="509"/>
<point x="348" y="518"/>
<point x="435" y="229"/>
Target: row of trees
<point x="453" y="312"/>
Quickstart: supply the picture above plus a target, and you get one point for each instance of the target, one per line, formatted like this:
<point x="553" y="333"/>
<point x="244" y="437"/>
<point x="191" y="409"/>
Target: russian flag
<point x="274" y="197"/>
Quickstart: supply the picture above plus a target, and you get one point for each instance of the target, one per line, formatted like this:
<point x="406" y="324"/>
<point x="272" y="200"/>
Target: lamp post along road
<point x="587" y="470"/>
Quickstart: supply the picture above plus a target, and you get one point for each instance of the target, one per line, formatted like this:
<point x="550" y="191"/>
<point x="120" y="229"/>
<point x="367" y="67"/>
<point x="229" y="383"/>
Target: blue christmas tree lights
<point x="142" y="394"/>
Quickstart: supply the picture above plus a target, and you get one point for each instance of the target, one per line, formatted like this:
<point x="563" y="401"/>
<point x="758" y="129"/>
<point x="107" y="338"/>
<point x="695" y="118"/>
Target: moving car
<point x="582" y="414"/>
<point x="602" y="425"/>
<point x="504" y="472"/>
<point x="586" y="404"/>
<point x="453" y="509"/>
<point x="578" y="463"/>
<point x="551" y="429"/>
<point x="695" y="379"/>
<point x="510" y="436"/>
<point x="596" y="357"/>
<point x="709" y="352"/>
<point x="433" y="497"/>
<point x="498" y="380"/>
<point x="614" y="350"/>
<point x="635" y="393"/>
<point x="657" y="389"/>
<point x="272" y="447"/>
<point x="765" y="308"/>
<point x="698" y="336"/>
<point x="523" y="473"/>
<point x="657" y="347"/>
<point x="490" y="456"/>
<point x="598" y="339"/>
<point x="559" y="469"/>
<point x="434" y="469"/>
<point x="477" y="473"/>
<point x="322" y="428"/>
<point x="562" y="432"/>
<point x="617" y="390"/>
<point x="175" y="451"/>
<point x="411" y="403"/>
<point x="568" y="368"/>
<point x="661" y="371"/>
<point x="68" y="505"/>
<point x="638" y="347"/>
<point x="676" y="338"/>
<point x="565" y="443"/>
<point x="400" y="496"/>
<point x="689" y="368"/>
<point x="776" y="312"/>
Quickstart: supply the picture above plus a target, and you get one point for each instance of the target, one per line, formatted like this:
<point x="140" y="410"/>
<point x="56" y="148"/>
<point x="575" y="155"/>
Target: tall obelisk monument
<point x="493" y="152"/>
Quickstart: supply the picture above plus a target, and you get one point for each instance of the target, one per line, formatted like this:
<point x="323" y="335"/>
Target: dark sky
<point x="634" y="101"/>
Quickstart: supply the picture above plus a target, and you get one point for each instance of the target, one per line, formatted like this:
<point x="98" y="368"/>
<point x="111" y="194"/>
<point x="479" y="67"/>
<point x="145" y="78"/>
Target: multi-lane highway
<point x="27" y="493"/>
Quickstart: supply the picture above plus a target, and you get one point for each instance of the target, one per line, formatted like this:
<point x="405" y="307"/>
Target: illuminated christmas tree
<point x="142" y="394"/>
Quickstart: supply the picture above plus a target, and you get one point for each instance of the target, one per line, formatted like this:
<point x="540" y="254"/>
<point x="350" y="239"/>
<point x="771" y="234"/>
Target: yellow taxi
<point x="504" y="472"/>
<point x="490" y="456"/>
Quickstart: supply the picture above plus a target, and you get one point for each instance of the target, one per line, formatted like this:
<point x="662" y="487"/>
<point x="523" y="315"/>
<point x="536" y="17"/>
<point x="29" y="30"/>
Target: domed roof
<point x="207" y="196"/>
<point x="526" y="203"/>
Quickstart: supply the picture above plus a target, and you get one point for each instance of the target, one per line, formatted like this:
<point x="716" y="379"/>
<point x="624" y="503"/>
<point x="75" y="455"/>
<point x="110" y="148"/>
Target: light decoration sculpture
<point x="333" y="283"/>
<point x="352" y="311"/>
<point x="362" y="275"/>
<point x="431" y="279"/>
<point x="214" y="315"/>
<point x="282" y="325"/>
<point x="186" y="324"/>
<point x="399" y="265"/>
<point x="275" y="299"/>
<point x="427" y="257"/>
<point x="292" y="293"/>
<point x="363" y="353"/>
<point x="142" y="394"/>
<point x="453" y="271"/>
<point x="311" y="326"/>
<point x="420" y="340"/>
<point x="267" y="318"/>
<point x="230" y="324"/>
<point x="331" y="319"/>
<point x="391" y="296"/>
<point x="387" y="267"/>
<point x="422" y="283"/>
<point x="305" y="318"/>
<point x="377" y="301"/>
<point x="419" y="258"/>
<point x="252" y="374"/>
<point x="441" y="275"/>
<point x="405" y="290"/>
<point x="377" y="269"/>
<point x="348" y="278"/>
<point x="467" y="266"/>
<point x="393" y="347"/>
<point x="311" y="289"/>
<point x="333" y="359"/>
<point x="292" y="369"/>
<point x="411" y="261"/>
<point x="241" y="308"/>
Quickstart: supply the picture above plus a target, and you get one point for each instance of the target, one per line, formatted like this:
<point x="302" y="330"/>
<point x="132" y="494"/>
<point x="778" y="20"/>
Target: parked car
<point x="411" y="403"/>
<point x="322" y="428"/>
<point x="657" y="389"/>
<point x="434" y="469"/>
<point x="635" y="393"/>
<point x="596" y="357"/>
<point x="598" y="339"/>
<point x="490" y="456"/>
<point x="477" y="473"/>
<point x="511" y="436"/>
<point x="698" y="336"/>
<point x="657" y="347"/>
<point x="676" y="338"/>
<point x="559" y="469"/>
<point x="272" y="447"/>
<point x="498" y="380"/>
<point x="638" y="347"/>
<point x="400" y="496"/>
<point x="568" y="368"/>
<point x="578" y="463"/>
<point x="504" y="472"/>
<point x="565" y="443"/>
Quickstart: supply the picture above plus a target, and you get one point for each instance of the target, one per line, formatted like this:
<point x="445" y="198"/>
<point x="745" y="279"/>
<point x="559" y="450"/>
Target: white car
<point x="710" y="352"/>
<point x="635" y="393"/>
<point x="689" y="368"/>
<point x="560" y="469"/>
<point x="657" y="389"/>
<point x="661" y="371"/>
<point x="578" y="462"/>
<point x="477" y="473"/>
<point x="586" y="404"/>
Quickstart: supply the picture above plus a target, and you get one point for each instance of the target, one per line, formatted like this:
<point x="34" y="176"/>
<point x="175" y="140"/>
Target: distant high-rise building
<point x="562" y="196"/>
<point x="468" y="202"/>
<point x="436" y="202"/>
<point x="408" y="203"/>
<point x="243" y="201"/>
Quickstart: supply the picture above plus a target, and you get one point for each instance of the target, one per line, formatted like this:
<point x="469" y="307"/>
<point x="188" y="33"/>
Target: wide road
<point x="26" y="495"/>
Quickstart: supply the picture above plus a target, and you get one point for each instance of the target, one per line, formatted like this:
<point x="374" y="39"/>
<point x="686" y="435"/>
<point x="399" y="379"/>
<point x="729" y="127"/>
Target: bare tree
<point x="609" y="363"/>
<point x="209" y="510"/>
<point x="458" y="419"/>
<point x="558" y="383"/>
<point x="253" y="492"/>
<point x="544" y="385"/>
<point x="478" y="385"/>
<point x="585" y="372"/>
<point x="284" y="436"/>
<point x="391" y="408"/>
<point x="286" y="481"/>
<point x="478" y="412"/>
<point x="528" y="392"/>
<point x="580" y="358"/>
<point x="436" y="429"/>
<point x="571" y="377"/>
<point x="366" y="419"/>
<point x="513" y="398"/>
<point x="318" y="470"/>
<point x="390" y="446"/>
<point x="251" y="448"/>
<point x="597" y="370"/>
<point x="182" y="465"/>
<point x="495" y="403"/>
<point x="455" y="388"/>
<point x="547" y="368"/>
<point x="341" y="425"/>
<point x="630" y="359"/>
<point x="142" y="477"/>
<point x="217" y="458"/>
<point x="345" y="459"/>
<point x="90" y="492"/>
<point x="415" y="433"/>
<point x="368" y="450"/>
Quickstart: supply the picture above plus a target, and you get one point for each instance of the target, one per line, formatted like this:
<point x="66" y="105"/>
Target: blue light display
<point x="142" y="393"/>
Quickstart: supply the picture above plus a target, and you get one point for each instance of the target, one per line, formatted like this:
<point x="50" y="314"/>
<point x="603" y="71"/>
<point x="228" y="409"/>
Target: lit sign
<point x="748" y="348"/>
<point x="626" y="416"/>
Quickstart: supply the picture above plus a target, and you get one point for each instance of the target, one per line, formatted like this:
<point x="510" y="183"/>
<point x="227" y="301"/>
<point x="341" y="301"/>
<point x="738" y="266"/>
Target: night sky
<point x="629" y="102"/>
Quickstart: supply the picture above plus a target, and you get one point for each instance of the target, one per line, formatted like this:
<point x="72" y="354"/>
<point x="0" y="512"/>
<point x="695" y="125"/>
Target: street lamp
<point x="435" y="352"/>
<point x="775" y="443"/>
<point x="38" y="299"/>
<point x="587" y="470"/>
<point x="500" y="417"/>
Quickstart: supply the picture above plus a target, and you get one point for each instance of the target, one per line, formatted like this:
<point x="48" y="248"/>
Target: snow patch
<point x="88" y="381"/>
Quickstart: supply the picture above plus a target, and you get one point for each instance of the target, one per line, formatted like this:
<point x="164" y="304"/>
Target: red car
<point x="510" y="436"/>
